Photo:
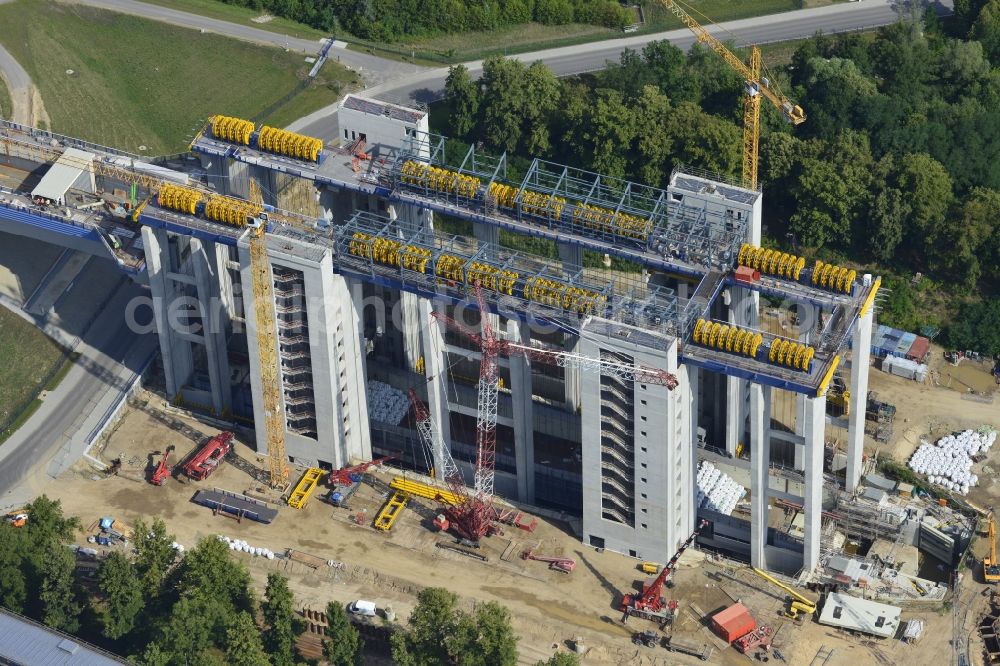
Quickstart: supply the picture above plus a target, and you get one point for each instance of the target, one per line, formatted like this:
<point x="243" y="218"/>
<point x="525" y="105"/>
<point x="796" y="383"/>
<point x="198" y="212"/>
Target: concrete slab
<point x="92" y="287"/>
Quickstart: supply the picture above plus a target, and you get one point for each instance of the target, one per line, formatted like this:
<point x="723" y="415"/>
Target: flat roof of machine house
<point x="379" y="108"/>
<point x="63" y="173"/>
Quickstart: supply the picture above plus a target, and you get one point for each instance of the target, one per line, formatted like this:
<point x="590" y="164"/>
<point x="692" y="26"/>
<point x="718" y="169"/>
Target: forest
<point x="161" y="606"/>
<point x="391" y="20"/>
<point x="896" y="169"/>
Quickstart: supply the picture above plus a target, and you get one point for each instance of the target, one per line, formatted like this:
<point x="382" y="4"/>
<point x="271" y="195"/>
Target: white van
<point x="362" y="607"/>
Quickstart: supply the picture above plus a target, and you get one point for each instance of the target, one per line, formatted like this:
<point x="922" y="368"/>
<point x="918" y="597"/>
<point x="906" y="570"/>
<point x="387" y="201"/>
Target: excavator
<point x="798" y="604"/>
<point x="162" y="470"/>
<point x="991" y="568"/>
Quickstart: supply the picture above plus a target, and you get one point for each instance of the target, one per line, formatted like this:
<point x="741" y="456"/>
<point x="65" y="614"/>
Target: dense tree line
<point x="151" y="603"/>
<point x="897" y="165"/>
<point x="392" y="20"/>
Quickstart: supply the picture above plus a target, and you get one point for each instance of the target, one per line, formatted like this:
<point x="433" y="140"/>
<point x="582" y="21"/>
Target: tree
<point x="927" y="186"/>
<point x="279" y="616"/>
<point x="154" y="553"/>
<point x="243" y="643"/>
<point x="58" y="590"/>
<point x="834" y="89"/>
<point x="980" y="220"/>
<point x="977" y="327"/>
<point x="502" y="102"/>
<point x="541" y="99"/>
<point x="123" y="594"/>
<point x="886" y="216"/>
<point x="704" y="140"/>
<point x="484" y="637"/>
<point x="604" y="137"/>
<point x="433" y="620"/>
<point x="462" y="95"/>
<point x="344" y="647"/>
<point x="653" y="143"/>
<point x="561" y="659"/>
<point x="207" y="572"/>
<point x="986" y="29"/>
<point x="13" y="588"/>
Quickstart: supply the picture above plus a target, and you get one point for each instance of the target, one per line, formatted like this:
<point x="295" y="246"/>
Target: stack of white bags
<point x="717" y="490"/>
<point x="237" y="544"/>
<point x="386" y="404"/>
<point x="949" y="463"/>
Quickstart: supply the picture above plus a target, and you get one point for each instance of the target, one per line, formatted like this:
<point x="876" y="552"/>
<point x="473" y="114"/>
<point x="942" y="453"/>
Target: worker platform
<point x="418" y="489"/>
<point x="391" y="511"/>
<point x="235" y="505"/>
<point x="305" y="487"/>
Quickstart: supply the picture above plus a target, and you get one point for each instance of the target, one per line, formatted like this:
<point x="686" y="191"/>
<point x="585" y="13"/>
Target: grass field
<point x="27" y="356"/>
<point x="241" y="15"/>
<point x="6" y="107"/>
<point x="130" y="82"/>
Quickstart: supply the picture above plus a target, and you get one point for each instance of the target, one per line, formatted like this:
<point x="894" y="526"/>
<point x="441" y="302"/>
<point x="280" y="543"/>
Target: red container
<point x="747" y="275"/>
<point x="733" y="623"/>
<point x="919" y="349"/>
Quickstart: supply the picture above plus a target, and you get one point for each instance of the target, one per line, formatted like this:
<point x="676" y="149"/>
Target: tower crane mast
<point x="756" y="86"/>
<point x="480" y="514"/>
<point x="267" y="345"/>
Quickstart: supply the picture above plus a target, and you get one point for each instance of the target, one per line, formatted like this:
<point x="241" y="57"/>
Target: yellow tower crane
<point x="756" y="85"/>
<point x="267" y="344"/>
<point x="991" y="568"/>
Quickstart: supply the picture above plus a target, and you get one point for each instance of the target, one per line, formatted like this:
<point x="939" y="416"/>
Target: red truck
<point x="209" y="457"/>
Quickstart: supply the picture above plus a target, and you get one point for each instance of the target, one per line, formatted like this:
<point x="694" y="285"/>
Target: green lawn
<point x="6" y="107"/>
<point x="242" y="15"/>
<point x="27" y="356"/>
<point x="129" y="82"/>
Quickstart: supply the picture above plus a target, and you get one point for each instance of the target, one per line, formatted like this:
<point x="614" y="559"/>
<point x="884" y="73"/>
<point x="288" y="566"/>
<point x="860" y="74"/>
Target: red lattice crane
<point x="651" y="604"/>
<point x="479" y="521"/>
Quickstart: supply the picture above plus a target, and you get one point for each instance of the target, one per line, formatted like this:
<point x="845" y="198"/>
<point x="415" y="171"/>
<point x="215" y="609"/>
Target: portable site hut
<point x="888" y="341"/>
<point x="74" y="170"/>
<point x="854" y="614"/>
<point x="733" y="623"/>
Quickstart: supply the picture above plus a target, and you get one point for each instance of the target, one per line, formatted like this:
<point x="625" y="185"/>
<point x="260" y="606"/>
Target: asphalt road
<point x="428" y="85"/>
<point x="111" y="354"/>
<point x="18" y="84"/>
<point x="374" y="70"/>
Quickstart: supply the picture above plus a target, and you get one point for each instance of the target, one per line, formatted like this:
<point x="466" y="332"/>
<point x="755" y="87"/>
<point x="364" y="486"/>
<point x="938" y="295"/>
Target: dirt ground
<point x="551" y="610"/>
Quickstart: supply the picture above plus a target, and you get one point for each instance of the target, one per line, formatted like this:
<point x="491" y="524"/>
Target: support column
<point x="760" y="463"/>
<point x="693" y="380"/>
<point x="410" y="220"/>
<point x="800" y="398"/>
<point x="742" y="312"/>
<point x="435" y="364"/>
<point x="815" y="423"/>
<point x="861" y="346"/>
<point x="213" y="325"/>
<point x="524" y="424"/>
<point x="571" y="257"/>
<point x="175" y="353"/>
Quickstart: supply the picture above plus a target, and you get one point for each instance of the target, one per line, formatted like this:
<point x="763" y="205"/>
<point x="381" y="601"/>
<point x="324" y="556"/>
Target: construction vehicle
<point x="345" y="475"/>
<point x="757" y="85"/>
<point x="759" y="638"/>
<point x="648" y="639"/>
<point x="650" y="604"/>
<point x="160" y="473"/>
<point x="17" y="518"/>
<point x="701" y="650"/>
<point x="651" y="568"/>
<point x="475" y="518"/>
<point x="560" y="564"/>
<point x="838" y="398"/>
<point x="205" y="461"/>
<point x="797" y="603"/>
<point x="991" y="568"/>
<point x="267" y="343"/>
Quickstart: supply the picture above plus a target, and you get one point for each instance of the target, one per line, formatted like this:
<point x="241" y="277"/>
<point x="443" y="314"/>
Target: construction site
<point x="674" y="462"/>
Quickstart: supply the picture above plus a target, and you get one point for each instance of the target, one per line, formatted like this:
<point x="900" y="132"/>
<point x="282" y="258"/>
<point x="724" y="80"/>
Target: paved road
<point x="374" y="70"/>
<point x="428" y="85"/>
<point x="19" y="84"/>
<point x="55" y="436"/>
